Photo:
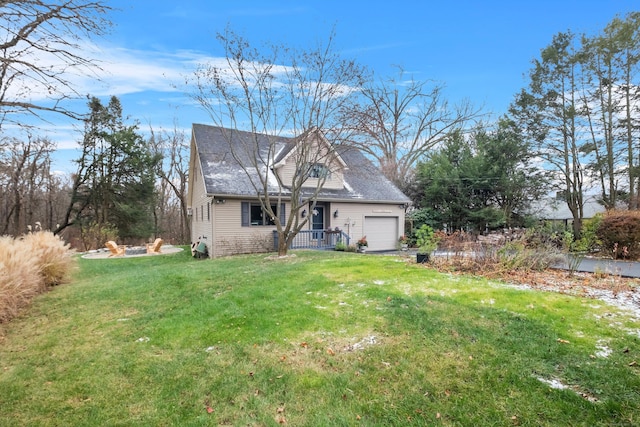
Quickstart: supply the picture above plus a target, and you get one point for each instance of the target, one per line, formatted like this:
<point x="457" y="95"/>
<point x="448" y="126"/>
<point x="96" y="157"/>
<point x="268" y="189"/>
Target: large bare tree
<point x="29" y="192"/>
<point x="42" y="44"/>
<point x="171" y="206"/>
<point x="279" y="91"/>
<point x="401" y="119"/>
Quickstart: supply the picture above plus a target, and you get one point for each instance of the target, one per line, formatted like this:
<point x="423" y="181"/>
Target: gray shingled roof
<point x="554" y="209"/>
<point x="223" y="175"/>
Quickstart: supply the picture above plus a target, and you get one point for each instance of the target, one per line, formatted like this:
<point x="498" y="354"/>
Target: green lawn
<point x="322" y="339"/>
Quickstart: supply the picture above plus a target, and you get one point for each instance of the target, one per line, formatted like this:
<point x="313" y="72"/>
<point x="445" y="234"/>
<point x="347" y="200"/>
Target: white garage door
<point x="381" y="232"/>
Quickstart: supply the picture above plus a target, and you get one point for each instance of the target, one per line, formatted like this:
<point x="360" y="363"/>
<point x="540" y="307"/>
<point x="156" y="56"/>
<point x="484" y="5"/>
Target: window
<point x="253" y="215"/>
<point x="208" y="211"/>
<point x="260" y="217"/>
<point x="318" y="170"/>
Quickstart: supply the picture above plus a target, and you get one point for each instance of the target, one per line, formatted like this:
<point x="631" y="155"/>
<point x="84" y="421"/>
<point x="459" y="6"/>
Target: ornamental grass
<point x="30" y="265"/>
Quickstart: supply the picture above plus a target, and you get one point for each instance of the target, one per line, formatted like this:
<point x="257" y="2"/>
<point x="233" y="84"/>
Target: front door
<point x="317" y="222"/>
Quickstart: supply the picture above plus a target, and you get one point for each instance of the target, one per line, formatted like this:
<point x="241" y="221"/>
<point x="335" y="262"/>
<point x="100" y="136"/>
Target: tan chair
<point x="114" y="248"/>
<point x="154" y="248"/>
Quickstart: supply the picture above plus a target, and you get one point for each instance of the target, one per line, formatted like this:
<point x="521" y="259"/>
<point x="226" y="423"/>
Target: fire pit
<point x="135" y="250"/>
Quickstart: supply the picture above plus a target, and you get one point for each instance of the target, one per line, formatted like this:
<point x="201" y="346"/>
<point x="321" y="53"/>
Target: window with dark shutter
<point x="252" y="214"/>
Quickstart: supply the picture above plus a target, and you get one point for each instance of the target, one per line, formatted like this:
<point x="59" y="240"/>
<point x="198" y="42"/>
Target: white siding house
<point x="356" y="199"/>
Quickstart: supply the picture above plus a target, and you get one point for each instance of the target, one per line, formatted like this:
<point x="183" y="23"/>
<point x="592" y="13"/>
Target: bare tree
<point x="171" y="209"/>
<point x="401" y="119"/>
<point x="28" y="190"/>
<point x="273" y="92"/>
<point x="41" y="46"/>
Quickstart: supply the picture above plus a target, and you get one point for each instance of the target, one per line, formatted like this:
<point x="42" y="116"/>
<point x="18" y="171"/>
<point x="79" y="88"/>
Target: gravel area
<point x="105" y="254"/>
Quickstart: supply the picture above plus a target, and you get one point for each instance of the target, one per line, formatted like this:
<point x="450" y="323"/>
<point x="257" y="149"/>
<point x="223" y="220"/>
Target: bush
<point x="588" y="241"/>
<point x="94" y="235"/>
<point x="29" y="266"/>
<point x="547" y="234"/>
<point x="341" y="246"/>
<point x="619" y="232"/>
<point x="517" y="256"/>
<point x="497" y="259"/>
<point x="426" y="239"/>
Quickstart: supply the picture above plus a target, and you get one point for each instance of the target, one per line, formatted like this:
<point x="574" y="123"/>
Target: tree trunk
<point x="283" y="244"/>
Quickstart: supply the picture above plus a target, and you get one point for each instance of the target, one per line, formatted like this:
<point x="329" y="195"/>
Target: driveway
<point x="608" y="266"/>
<point x="587" y="265"/>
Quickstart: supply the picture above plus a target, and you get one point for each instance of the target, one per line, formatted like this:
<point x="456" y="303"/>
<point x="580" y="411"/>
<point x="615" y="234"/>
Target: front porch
<point x="315" y="239"/>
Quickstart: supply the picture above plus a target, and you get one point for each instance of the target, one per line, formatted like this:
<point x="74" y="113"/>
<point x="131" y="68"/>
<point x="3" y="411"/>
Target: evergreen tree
<point x="114" y="184"/>
<point x="484" y="180"/>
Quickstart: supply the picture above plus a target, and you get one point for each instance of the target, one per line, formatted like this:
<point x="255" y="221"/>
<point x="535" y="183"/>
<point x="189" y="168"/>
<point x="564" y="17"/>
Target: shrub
<point x="588" y="241"/>
<point x="426" y="239"/>
<point x="341" y="246"/>
<point x="517" y="256"/>
<point x="619" y="232"/>
<point x="29" y="266"/>
<point x="547" y="234"/>
<point x="498" y="259"/>
<point x="94" y="235"/>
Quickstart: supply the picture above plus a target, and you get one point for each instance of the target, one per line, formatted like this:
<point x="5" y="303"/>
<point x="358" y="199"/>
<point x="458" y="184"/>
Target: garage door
<point x="381" y="232"/>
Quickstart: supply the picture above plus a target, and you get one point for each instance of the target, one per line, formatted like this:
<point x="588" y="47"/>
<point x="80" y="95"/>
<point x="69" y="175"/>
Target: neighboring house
<point x="356" y="198"/>
<point x="557" y="210"/>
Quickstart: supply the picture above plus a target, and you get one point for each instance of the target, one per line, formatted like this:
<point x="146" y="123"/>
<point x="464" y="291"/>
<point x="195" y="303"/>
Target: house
<point x="556" y="210"/>
<point x="356" y="199"/>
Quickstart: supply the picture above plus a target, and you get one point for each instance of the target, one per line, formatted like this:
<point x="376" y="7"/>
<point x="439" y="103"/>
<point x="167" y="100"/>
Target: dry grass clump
<point x="28" y="266"/>
<point x="53" y="255"/>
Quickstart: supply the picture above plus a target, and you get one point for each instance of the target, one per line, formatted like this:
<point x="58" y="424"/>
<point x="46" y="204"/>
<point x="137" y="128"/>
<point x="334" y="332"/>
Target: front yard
<point x="322" y="338"/>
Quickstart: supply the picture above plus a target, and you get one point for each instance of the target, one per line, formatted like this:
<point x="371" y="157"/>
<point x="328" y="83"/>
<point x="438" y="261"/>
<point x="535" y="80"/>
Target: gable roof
<point x="224" y="176"/>
<point x="290" y="149"/>
<point x="554" y="209"/>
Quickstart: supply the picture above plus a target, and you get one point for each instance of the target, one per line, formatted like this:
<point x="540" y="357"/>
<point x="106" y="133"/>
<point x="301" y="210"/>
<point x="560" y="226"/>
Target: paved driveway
<point x="615" y="267"/>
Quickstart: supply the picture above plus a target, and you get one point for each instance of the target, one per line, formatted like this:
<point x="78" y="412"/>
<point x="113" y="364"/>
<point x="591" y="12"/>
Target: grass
<point x="324" y="338"/>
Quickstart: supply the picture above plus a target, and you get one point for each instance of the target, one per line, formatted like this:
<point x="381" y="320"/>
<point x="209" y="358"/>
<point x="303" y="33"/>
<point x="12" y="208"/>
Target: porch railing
<point x="315" y="239"/>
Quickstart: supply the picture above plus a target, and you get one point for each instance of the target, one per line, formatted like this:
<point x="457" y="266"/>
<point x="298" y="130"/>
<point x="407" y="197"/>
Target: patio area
<point x="104" y="253"/>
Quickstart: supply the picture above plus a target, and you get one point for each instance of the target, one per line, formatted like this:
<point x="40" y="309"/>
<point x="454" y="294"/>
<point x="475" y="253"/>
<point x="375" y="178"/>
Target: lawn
<point x="319" y="339"/>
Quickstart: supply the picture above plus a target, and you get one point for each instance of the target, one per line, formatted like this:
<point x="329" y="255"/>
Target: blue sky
<point x="481" y="51"/>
